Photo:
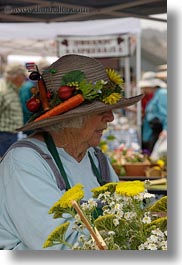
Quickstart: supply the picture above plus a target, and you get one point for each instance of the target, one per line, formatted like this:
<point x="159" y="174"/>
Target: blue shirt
<point x="28" y="189"/>
<point x="156" y="108"/>
<point x="25" y="94"/>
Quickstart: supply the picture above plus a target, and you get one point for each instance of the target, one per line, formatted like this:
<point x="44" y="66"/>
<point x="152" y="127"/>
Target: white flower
<point x="115" y="222"/>
<point x="111" y="233"/>
<point x="119" y="214"/>
<point x="152" y="246"/>
<point x="153" y="238"/>
<point x="117" y="207"/>
<point x="112" y="203"/>
<point x="103" y="82"/>
<point x="82" y="238"/>
<point x="84" y="206"/>
<point x="129" y="215"/>
<point x="92" y="203"/>
<point x="147" y="182"/>
<point x="107" y="193"/>
<point x="148" y="195"/>
<point x="146" y="219"/>
<point x="77" y="218"/>
<point x="141" y="247"/>
<point x="158" y="232"/>
<point x="139" y="196"/>
<point x="117" y="197"/>
<point x="106" y="211"/>
<point x="163" y="245"/>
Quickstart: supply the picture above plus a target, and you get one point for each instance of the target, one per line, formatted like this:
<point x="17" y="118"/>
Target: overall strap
<point x="23" y="143"/>
<point x="102" y="173"/>
<point x="96" y="172"/>
<point x="103" y="165"/>
<point x="53" y="150"/>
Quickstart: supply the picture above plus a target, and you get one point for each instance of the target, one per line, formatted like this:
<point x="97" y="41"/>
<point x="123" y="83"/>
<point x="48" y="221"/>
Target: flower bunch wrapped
<point x="120" y="216"/>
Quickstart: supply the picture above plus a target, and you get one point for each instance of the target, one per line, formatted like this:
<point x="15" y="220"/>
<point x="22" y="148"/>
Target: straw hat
<point x="149" y="79"/>
<point x="101" y="88"/>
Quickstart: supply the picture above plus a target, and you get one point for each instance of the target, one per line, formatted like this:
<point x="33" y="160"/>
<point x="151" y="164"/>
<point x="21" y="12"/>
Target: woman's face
<point x="93" y="128"/>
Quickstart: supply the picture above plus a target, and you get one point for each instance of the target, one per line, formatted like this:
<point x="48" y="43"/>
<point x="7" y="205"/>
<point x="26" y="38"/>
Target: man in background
<point x="11" y="113"/>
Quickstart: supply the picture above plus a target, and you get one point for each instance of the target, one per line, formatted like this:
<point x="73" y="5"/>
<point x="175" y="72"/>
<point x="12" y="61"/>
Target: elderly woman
<point x="61" y="152"/>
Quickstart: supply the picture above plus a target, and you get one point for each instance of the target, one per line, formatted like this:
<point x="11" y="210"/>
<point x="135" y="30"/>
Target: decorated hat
<point x="74" y="86"/>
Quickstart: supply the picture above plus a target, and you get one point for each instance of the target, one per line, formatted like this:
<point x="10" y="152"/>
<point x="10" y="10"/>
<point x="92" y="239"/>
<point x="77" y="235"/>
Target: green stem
<point x="62" y="241"/>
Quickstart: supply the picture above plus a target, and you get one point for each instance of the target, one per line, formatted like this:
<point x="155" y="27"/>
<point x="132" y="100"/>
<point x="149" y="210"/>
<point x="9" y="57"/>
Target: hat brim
<point x="90" y="108"/>
<point x="146" y="83"/>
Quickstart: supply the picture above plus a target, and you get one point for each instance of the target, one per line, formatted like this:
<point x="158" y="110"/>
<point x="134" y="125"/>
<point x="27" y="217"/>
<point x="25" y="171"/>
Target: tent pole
<point x="127" y="77"/>
<point x="138" y="77"/>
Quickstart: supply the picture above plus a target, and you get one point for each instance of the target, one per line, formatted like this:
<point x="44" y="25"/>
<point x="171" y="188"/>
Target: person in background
<point x="11" y="113"/>
<point x="147" y="91"/>
<point x="155" y="114"/>
<point x="25" y="93"/>
<point x="28" y="89"/>
<point x="62" y="151"/>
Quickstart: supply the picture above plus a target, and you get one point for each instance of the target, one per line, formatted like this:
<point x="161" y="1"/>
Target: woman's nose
<point x="108" y="116"/>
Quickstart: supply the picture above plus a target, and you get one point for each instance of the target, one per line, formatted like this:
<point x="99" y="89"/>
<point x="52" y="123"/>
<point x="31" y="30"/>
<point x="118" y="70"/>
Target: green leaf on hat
<point x="73" y="76"/>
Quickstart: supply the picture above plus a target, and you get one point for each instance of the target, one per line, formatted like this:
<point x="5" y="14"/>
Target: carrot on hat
<point x="62" y="107"/>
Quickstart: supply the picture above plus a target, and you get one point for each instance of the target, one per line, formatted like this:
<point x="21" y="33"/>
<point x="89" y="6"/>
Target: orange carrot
<point x="62" y="107"/>
<point x="43" y="95"/>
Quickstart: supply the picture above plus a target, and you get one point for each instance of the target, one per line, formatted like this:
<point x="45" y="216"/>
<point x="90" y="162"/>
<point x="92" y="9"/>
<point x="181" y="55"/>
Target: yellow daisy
<point x="130" y="188"/>
<point x="75" y="193"/>
<point x="114" y="77"/>
<point x="112" y="99"/>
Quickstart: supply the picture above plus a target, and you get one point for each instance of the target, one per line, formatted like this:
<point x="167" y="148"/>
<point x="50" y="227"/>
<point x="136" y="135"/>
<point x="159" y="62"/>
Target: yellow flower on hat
<point x="112" y="99"/>
<point x="114" y="77"/>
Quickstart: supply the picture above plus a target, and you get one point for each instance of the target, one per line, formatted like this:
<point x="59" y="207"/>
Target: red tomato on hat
<point x="33" y="104"/>
<point x="65" y="92"/>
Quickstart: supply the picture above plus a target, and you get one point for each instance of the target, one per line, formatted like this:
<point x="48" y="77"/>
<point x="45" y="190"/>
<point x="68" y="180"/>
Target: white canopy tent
<point x="38" y="38"/>
<point x="46" y="31"/>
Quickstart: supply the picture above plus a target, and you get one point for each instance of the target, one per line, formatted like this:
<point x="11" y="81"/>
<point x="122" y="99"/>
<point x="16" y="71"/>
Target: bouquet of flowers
<point x="120" y="216"/>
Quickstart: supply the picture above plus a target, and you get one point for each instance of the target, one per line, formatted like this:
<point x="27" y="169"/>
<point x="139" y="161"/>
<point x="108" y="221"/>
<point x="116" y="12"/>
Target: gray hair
<point x="14" y="69"/>
<point x="76" y="122"/>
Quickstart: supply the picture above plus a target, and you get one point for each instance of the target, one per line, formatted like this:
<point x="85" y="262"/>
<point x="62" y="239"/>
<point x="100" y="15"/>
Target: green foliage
<point x="73" y="76"/>
<point x="89" y="90"/>
<point x="55" y="100"/>
<point x="160" y="223"/>
<point x="160" y="205"/>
